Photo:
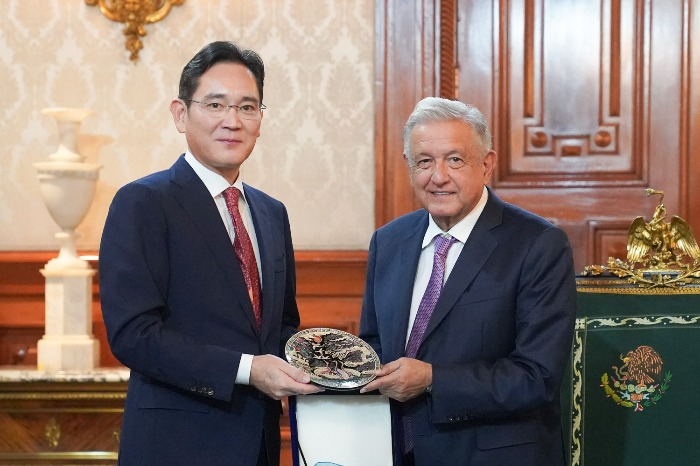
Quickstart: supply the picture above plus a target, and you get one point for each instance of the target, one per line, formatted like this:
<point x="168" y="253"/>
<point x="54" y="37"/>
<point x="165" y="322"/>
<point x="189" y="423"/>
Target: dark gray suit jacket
<point x="178" y="314"/>
<point x="498" y="338"/>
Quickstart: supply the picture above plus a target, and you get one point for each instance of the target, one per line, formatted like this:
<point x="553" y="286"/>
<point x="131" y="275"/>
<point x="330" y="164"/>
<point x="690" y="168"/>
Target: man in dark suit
<point x="197" y="280"/>
<point x="470" y="303"/>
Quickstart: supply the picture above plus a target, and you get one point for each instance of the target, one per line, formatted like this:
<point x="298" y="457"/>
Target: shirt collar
<point x="462" y="229"/>
<point x="215" y="183"/>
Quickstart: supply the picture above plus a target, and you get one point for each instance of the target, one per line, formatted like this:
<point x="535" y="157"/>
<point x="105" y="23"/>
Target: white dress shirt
<point x="460" y="232"/>
<point x="216" y="185"/>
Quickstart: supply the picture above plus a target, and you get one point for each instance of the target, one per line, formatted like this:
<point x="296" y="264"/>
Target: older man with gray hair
<point x="470" y="303"/>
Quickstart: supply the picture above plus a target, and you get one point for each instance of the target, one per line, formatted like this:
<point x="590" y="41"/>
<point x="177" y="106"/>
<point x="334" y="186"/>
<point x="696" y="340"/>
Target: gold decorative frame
<point x="134" y="14"/>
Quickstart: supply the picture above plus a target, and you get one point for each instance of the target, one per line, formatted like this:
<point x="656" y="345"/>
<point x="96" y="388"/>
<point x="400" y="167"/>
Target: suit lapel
<point x="471" y="260"/>
<point x="198" y="203"/>
<point x="409" y="249"/>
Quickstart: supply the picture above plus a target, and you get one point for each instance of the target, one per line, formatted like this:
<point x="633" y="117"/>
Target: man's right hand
<point x="277" y="379"/>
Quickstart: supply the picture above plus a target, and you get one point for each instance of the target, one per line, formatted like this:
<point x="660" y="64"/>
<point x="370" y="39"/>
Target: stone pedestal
<point x="68" y="343"/>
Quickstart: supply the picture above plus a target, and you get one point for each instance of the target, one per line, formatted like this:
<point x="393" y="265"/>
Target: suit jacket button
<point x="450" y="418"/>
<point x="210" y="392"/>
<point x="193" y="388"/>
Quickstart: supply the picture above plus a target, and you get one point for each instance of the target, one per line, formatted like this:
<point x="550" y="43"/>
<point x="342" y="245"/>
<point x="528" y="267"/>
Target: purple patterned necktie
<point x="432" y="293"/>
<point x="425" y="310"/>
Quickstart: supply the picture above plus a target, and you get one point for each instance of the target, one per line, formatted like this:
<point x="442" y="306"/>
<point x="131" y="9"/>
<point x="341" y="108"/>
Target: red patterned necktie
<point x="246" y="256"/>
<point x="425" y="310"/>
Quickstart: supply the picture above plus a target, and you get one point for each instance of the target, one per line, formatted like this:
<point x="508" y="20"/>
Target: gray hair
<point x="436" y="109"/>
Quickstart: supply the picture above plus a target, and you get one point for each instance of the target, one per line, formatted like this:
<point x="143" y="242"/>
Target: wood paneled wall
<point x="329" y="294"/>
<point x="589" y="103"/>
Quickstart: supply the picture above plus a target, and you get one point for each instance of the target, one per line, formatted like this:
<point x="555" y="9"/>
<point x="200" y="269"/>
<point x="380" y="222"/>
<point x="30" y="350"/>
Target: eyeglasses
<point x="219" y="109"/>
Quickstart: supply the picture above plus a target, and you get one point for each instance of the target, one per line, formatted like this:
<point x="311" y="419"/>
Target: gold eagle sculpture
<point x="660" y="254"/>
<point x="656" y="241"/>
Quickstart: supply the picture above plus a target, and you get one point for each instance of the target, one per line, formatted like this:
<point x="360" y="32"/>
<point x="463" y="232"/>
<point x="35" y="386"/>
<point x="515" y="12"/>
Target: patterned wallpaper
<point x="315" y="152"/>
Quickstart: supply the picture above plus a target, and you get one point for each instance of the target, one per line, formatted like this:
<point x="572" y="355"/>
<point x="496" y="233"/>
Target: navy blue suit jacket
<point x="178" y="314"/>
<point x="498" y="339"/>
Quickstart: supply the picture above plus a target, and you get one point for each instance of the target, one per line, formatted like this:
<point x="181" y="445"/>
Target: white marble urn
<point x="67" y="185"/>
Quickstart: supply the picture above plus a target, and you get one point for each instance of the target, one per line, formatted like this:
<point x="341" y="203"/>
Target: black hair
<point x="210" y="55"/>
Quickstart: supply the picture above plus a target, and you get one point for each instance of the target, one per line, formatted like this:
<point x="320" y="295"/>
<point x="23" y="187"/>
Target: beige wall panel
<point x="316" y="149"/>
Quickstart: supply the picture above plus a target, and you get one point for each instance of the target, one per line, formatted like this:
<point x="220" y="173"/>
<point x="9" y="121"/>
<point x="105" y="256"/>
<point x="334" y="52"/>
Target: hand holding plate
<point x="402" y="379"/>
<point x="277" y="379"/>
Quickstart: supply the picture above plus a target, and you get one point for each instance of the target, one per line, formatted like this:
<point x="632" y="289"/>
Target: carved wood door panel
<point x="590" y="102"/>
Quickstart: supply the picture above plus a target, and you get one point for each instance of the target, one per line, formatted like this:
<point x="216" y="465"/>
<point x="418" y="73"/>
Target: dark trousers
<point x="262" y="455"/>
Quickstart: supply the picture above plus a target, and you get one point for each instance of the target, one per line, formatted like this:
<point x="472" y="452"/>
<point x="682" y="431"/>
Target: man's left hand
<point x="402" y="379"/>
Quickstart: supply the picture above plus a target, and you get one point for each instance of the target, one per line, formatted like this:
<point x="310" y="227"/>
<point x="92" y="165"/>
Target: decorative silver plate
<point x="334" y="359"/>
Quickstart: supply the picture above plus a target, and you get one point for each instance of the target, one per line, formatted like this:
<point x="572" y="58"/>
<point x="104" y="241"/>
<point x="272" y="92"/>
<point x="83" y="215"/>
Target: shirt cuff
<point x="243" y="375"/>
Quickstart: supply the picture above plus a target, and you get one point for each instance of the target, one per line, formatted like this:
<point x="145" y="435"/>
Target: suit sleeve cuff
<point x="243" y="375"/>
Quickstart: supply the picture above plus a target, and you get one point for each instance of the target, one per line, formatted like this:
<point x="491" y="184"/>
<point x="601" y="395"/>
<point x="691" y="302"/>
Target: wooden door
<point x="590" y="102"/>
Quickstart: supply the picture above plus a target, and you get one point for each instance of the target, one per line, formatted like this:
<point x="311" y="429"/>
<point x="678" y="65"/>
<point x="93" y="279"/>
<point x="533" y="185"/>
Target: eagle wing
<point x="646" y="360"/>
<point x="638" y="240"/>
<point x="682" y="234"/>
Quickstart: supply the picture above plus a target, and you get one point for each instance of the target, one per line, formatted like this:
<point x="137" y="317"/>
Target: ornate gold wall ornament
<point x="134" y="14"/>
<point x="659" y="253"/>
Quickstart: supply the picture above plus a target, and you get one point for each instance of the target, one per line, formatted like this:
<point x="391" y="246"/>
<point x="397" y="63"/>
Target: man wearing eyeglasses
<point x="197" y="282"/>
